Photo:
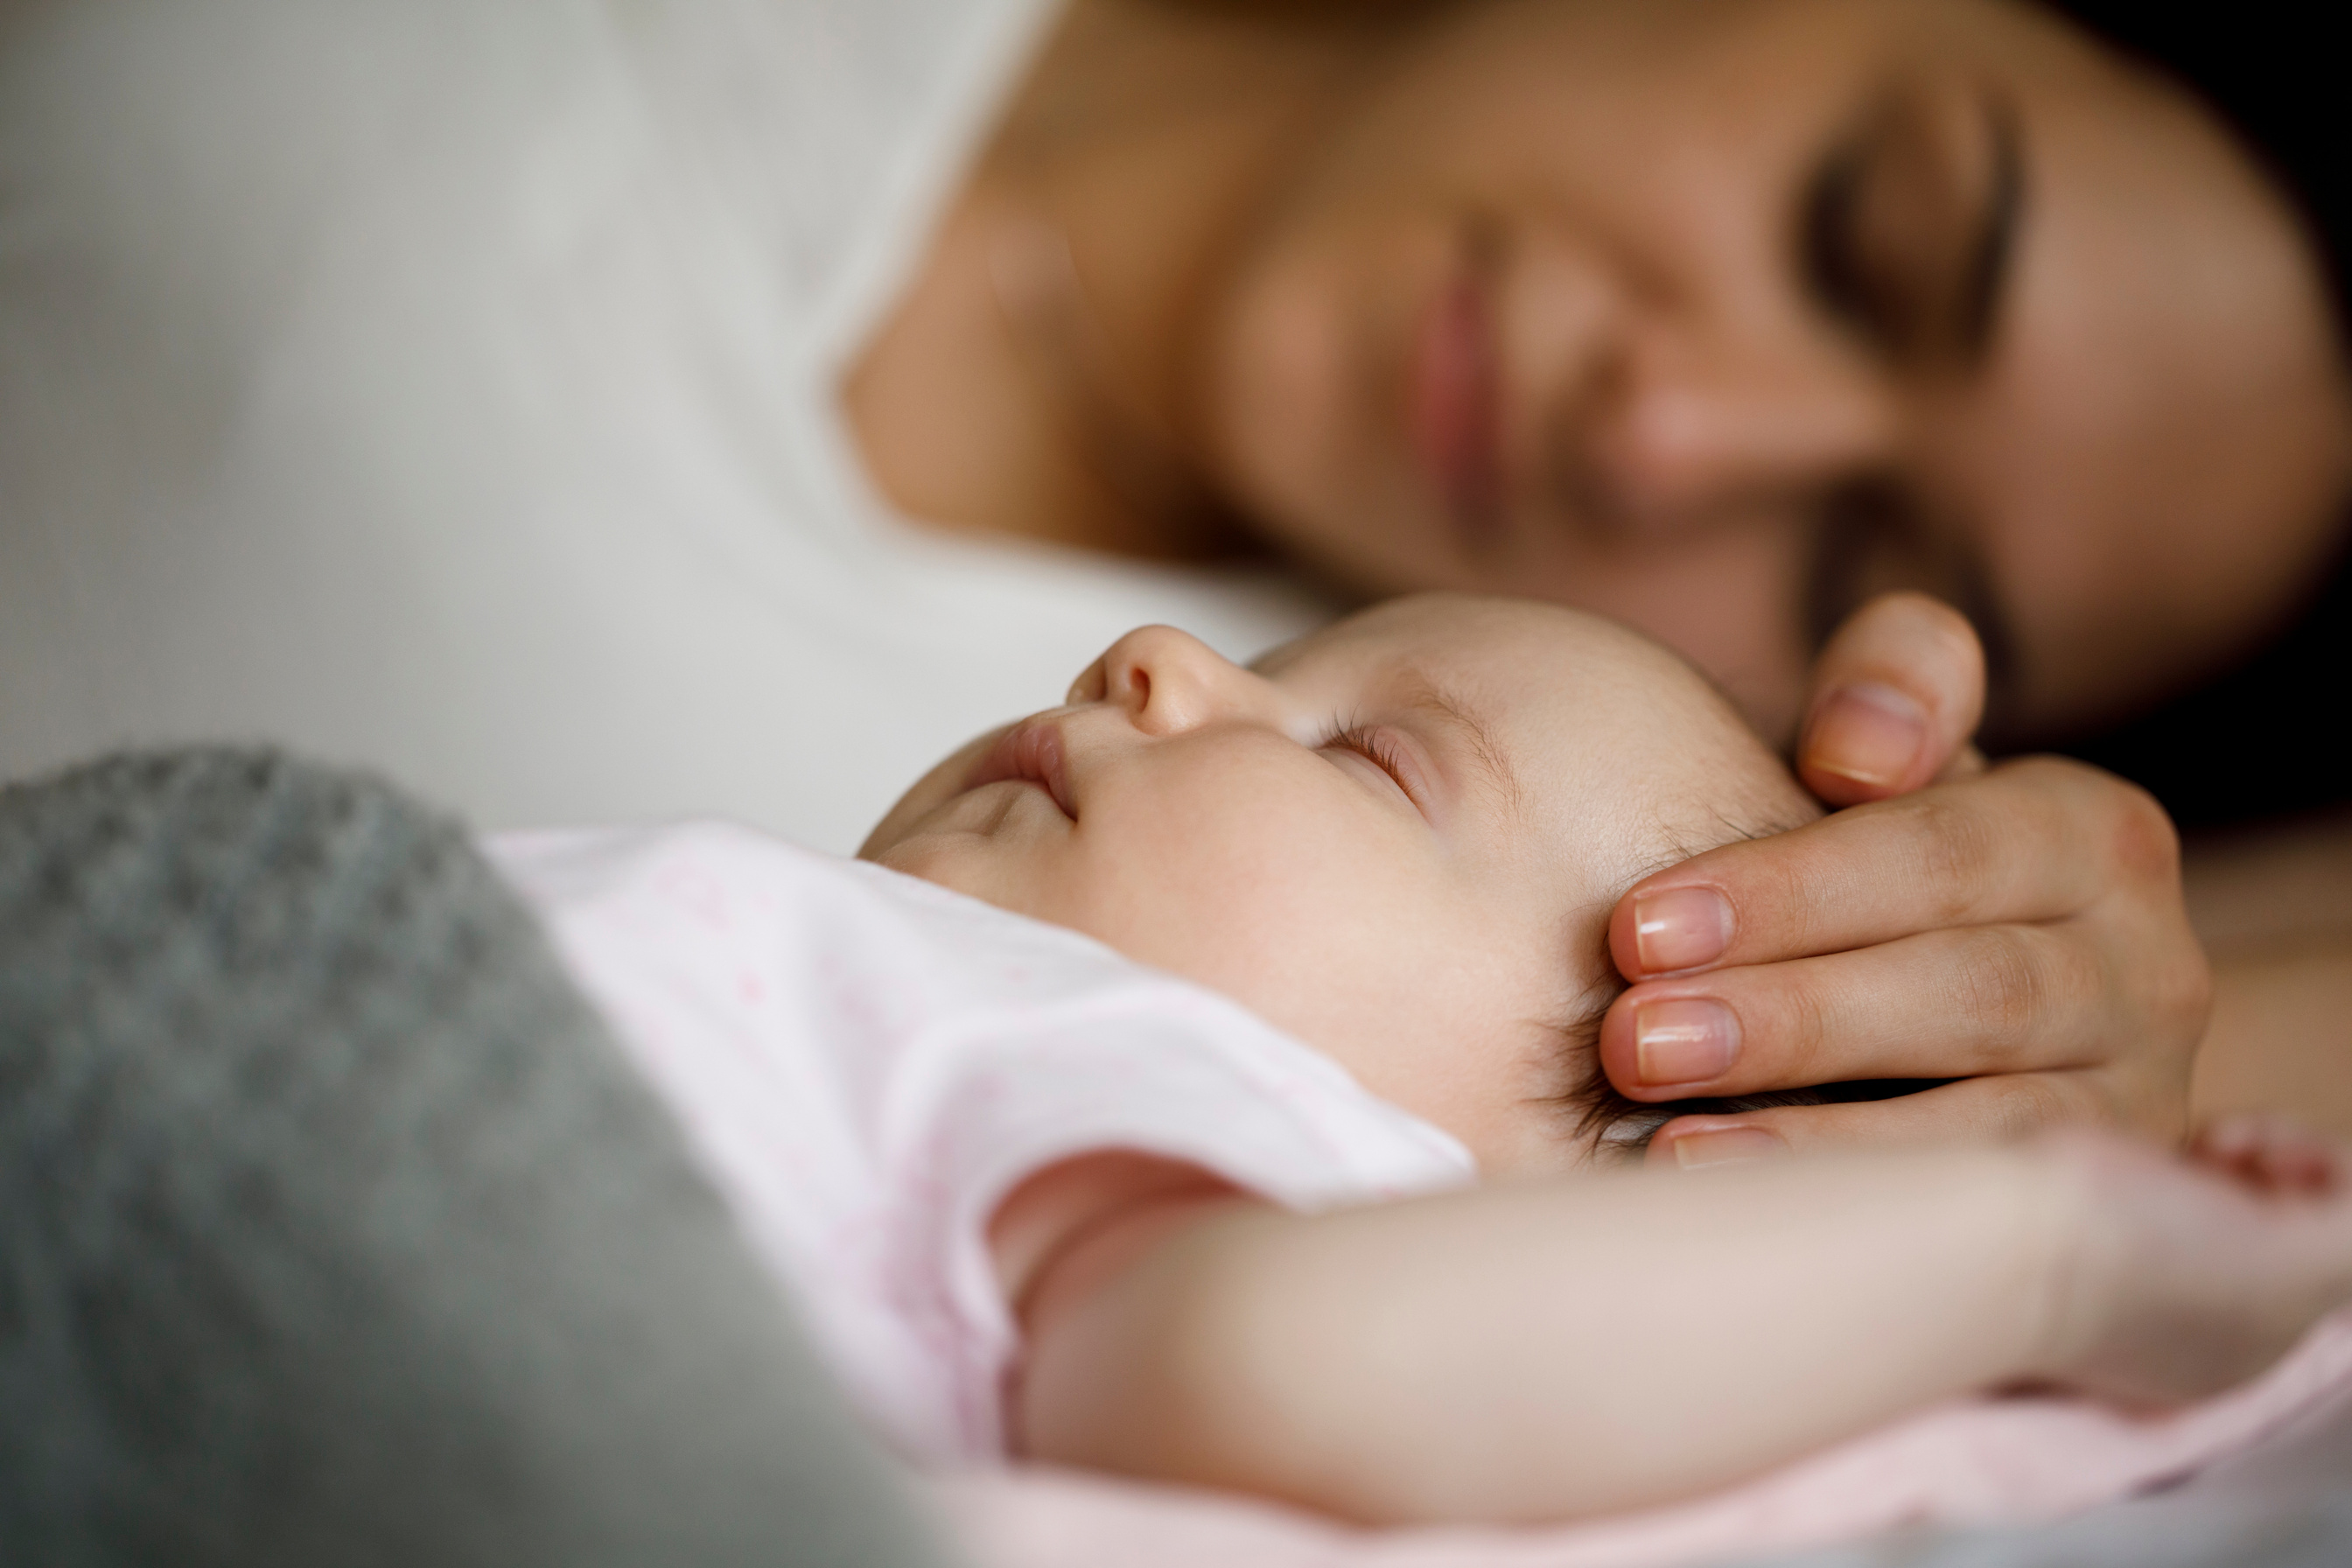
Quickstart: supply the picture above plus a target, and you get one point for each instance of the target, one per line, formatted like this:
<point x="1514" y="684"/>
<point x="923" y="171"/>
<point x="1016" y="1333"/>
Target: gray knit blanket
<point x="334" y="1229"/>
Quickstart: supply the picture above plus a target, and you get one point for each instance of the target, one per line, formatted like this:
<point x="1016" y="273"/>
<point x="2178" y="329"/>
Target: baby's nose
<point x="1169" y="682"/>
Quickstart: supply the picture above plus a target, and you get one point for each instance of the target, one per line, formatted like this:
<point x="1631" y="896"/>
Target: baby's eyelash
<point x="1374" y="747"/>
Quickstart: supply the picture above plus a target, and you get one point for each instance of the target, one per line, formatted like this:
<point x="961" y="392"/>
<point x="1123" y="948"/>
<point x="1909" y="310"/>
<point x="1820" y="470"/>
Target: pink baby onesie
<point x="867" y="1064"/>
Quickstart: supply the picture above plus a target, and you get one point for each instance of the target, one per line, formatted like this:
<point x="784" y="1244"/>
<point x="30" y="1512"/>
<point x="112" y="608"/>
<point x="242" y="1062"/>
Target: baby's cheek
<point x="1436" y="1027"/>
<point x="1497" y="1045"/>
<point x="930" y="857"/>
<point x="1315" y="965"/>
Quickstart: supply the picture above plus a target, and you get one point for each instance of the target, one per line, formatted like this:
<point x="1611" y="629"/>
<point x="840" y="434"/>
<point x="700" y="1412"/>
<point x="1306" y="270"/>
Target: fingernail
<point x="1688" y="1040"/>
<point x="1867" y="733"/>
<point x="1727" y="1146"/>
<point x="1680" y="928"/>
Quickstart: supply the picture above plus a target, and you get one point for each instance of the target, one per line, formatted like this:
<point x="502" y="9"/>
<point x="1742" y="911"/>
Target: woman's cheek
<point x="1306" y="394"/>
<point x="1278" y="401"/>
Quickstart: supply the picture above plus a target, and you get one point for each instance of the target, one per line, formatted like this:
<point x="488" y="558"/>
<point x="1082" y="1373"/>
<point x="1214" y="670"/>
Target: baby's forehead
<point x="1461" y="626"/>
<point x="1622" y="752"/>
<point x="1527" y="671"/>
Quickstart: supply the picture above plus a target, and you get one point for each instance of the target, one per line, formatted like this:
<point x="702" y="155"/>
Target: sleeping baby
<point x="1198" y="1081"/>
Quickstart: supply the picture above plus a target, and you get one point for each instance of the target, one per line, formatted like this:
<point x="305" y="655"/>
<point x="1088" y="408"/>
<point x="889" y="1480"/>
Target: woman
<point x="1717" y="317"/>
<point x="504" y="400"/>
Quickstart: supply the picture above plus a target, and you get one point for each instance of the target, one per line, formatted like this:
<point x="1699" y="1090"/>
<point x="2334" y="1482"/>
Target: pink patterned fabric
<point x="866" y="1064"/>
<point x="1974" y="1462"/>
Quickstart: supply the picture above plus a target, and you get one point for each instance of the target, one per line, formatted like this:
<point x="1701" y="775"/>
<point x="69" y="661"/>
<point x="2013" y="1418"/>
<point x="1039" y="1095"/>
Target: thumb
<point x="1897" y="697"/>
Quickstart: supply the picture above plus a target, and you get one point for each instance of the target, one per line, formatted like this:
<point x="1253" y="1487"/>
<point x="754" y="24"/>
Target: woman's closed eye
<point x="1905" y="227"/>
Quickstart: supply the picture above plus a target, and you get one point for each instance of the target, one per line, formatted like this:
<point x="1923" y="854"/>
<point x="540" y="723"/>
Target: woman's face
<point x="1719" y="315"/>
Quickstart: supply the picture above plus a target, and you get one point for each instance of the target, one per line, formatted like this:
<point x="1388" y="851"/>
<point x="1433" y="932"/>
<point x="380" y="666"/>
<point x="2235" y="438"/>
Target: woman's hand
<point x="2019" y="930"/>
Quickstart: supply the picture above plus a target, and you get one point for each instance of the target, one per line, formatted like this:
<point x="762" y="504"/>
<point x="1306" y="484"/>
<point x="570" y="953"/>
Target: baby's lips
<point x="1030" y="752"/>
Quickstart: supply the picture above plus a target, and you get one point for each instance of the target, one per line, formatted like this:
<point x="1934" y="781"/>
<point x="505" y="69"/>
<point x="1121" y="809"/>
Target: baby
<point x="1200" y="1084"/>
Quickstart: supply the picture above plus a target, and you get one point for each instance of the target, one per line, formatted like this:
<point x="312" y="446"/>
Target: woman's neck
<point x="1034" y="379"/>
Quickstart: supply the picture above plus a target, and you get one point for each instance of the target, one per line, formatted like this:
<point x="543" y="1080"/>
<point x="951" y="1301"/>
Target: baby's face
<point x="1399" y="839"/>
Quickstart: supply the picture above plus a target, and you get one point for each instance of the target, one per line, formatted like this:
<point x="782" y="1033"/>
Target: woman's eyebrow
<point x="1490" y="761"/>
<point x="1993" y="253"/>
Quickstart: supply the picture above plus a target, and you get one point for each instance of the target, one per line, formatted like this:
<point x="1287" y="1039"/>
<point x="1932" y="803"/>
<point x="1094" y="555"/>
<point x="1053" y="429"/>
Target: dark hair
<point x="1317" y="13"/>
<point x="2259" y="740"/>
<point x="1610" y="1123"/>
<point x="2265" y="67"/>
<point x="2263" y="739"/>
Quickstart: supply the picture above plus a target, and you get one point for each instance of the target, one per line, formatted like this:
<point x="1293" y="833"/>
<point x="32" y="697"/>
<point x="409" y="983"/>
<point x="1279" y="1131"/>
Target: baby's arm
<point x="1549" y="1350"/>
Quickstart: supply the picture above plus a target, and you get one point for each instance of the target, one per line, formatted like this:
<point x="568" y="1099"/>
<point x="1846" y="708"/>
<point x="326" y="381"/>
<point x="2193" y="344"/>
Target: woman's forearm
<point x="1544" y="1352"/>
<point x="2273" y="888"/>
<point x="2273" y="907"/>
<point x="2281" y="1038"/>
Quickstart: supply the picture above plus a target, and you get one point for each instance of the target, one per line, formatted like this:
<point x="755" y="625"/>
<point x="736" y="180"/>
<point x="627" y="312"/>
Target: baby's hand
<point x="2195" y="1274"/>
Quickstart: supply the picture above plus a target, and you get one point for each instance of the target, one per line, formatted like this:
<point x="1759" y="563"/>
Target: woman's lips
<point x="1029" y="752"/>
<point x="1453" y="414"/>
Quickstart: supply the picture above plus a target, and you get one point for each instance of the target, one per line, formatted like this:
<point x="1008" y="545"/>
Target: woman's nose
<point x="1169" y="682"/>
<point x="1693" y="432"/>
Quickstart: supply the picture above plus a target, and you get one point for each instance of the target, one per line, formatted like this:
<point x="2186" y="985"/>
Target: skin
<point x="2129" y="469"/>
<point x="1200" y="817"/>
<point x="1400" y="839"/>
<point x="1450" y="1360"/>
<point x="1250" y="228"/>
<point x="2123" y="459"/>
<point x="2270" y="905"/>
<point x="2037" y="937"/>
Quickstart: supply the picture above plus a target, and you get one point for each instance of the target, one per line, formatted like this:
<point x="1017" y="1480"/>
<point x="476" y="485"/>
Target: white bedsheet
<point x="448" y="386"/>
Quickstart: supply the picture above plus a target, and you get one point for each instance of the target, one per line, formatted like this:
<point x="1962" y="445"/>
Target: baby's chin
<point x="931" y="792"/>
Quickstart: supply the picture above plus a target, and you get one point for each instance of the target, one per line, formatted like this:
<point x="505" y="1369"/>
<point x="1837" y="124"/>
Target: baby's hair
<point x="1611" y="1123"/>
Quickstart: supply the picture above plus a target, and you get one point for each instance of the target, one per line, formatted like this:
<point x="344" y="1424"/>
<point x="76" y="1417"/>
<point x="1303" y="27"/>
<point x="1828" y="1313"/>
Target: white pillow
<point x="445" y="387"/>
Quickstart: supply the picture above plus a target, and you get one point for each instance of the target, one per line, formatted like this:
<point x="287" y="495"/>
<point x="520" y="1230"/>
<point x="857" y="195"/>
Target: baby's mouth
<point x="1029" y="752"/>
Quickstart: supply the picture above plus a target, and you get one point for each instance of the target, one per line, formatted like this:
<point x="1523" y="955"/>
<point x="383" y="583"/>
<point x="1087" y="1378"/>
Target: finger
<point x="1972" y="1110"/>
<point x="2031" y="840"/>
<point x="1966" y="763"/>
<point x="1896" y="695"/>
<point x="1945" y="1003"/>
<point x="2239" y="1141"/>
<point x="2273" y="1152"/>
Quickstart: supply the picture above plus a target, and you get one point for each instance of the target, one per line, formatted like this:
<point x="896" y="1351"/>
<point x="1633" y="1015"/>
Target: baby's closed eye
<point x="1380" y="746"/>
